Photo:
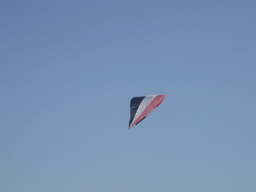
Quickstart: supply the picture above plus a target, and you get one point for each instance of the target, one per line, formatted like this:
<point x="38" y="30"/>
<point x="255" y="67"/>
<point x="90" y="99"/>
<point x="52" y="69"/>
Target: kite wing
<point x="140" y="107"/>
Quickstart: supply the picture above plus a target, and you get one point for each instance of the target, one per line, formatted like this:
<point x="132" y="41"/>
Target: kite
<point x="140" y="107"/>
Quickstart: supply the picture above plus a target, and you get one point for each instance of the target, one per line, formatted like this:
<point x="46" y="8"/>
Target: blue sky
<point x="70" y="68"/>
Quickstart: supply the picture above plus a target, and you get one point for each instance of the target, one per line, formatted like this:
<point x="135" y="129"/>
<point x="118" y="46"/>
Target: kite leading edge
<point x="140" y="107"/>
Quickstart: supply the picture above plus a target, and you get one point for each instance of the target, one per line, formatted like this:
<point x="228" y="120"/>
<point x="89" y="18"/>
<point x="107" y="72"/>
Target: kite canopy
<point x="140" y="107"/>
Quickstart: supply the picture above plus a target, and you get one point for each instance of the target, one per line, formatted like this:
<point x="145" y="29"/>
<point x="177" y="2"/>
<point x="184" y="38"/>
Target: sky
<point x="68" y="70"/>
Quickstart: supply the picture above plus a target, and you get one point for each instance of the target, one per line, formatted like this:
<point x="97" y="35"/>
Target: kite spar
<point x="140" y="107"/>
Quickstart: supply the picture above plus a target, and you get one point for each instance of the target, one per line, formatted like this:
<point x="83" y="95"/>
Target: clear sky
<point x="68" y="70"/>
